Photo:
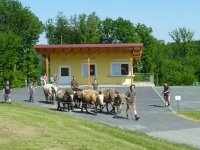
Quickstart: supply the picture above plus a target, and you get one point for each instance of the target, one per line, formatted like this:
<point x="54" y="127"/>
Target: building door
<point x="64" y="74"/>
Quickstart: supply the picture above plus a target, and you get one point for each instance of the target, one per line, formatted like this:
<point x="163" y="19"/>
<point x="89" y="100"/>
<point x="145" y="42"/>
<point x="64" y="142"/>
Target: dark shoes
<point x="137" y="118"/>
<point x="167" y="105"/>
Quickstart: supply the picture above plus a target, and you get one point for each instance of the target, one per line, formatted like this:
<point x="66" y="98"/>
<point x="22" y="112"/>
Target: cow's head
<point x="54" y="89"/>
<point x="101" y="98"/>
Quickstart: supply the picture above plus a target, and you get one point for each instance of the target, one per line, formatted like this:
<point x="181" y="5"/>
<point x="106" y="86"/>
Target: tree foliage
<point x="183" y="39"/>
<point x="19" y="31"/>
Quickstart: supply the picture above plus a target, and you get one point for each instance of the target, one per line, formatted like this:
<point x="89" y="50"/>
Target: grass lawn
<point x="191" y="114"/>
<point x="32" y="128"/>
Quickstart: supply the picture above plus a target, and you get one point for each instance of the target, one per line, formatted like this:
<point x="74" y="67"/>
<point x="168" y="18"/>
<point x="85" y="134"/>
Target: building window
<point x="120" y="69"/>
<point x="85" y="69"/>
<point x="64" y="71"/>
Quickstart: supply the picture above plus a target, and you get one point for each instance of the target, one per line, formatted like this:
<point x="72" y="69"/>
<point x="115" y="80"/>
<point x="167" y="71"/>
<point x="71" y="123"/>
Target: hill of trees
<point x="176" y="62"/>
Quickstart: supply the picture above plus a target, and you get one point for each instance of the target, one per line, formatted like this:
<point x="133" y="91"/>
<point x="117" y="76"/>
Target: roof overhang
<point x="132" y="48"/>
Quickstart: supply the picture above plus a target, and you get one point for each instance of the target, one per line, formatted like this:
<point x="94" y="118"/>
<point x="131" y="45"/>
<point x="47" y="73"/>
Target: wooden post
<point x="89" y="71"/>
<point x="131" y="67"/>
<point x="47" y="67"/>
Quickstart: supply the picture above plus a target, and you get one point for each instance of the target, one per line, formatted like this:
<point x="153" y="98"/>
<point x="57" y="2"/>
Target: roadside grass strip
<point x="25" y="127"/>
<point x="194" y="115"/>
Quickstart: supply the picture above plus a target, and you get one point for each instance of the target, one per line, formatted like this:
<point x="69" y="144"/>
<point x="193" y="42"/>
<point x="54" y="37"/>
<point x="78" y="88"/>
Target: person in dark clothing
<point x="6" y="92"/>
<point x="131" y="100"/>
<point x="166" y="93"/>
<point x="35" y="81"/>
<point x="31" y="90"/>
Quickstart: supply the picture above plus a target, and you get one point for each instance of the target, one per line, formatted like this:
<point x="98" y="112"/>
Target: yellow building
<point x="108" y="63"/>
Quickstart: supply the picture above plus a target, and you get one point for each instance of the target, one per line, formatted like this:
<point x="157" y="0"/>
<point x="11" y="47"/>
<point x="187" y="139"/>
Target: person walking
<point x="45" y="79"/>
<point x="31" y="90"/>
<point x="7" y="91"/>
<point x="166" y="93"/>
<point x="35" y="79"/>
<point x="131" y="101"/>
<point x="55" y="78"/>
<point x="41" y="82"/>
<point x="51" y="80"/>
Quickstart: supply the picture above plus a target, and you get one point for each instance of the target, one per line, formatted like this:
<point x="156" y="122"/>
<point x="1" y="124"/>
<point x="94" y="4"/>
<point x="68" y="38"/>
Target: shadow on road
<point x="27" y="101"/>
<point x="156" y="105"/>
<point x="44" y="102"/>
<point x="119" y="117"/>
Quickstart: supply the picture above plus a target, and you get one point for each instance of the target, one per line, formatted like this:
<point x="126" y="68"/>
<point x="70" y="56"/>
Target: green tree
<point x="144" y="35"/>
<point x="176" y="74"/>
<point x="18" y="22"/>
<point x="182" y="38"/>
<point x="93" y="31"/>
<point x="117" y="31"/>
<point x="50" y="29"/>
<point x="107" y="27"/>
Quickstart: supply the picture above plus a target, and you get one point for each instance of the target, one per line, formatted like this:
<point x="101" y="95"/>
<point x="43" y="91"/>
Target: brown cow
<point x="77" y="98"/>
<point x="113" y="97"/>
<point x="90" y="97"/>
<point x="65" y="97"/>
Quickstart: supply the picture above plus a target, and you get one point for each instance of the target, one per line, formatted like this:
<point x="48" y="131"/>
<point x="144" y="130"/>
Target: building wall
<point x="103" y="66"/>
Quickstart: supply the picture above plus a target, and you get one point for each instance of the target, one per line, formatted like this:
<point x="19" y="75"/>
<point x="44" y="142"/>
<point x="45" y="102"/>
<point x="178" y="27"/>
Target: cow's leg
<point x="51" y="99"/>
<point x="64" y="105"/>
<point x="46" y="97"/>
<point x="52" y="102"/>
<point x="58" y="106"/>
<point x="68" y="106"/>
<point x="113" y="109"/>
<point x="107" y="107"/>
<point x="79" y="103"/>
<point x="119" y="108"/>
<point x="95" y="110"/>
<point x="76" y="103"/>
<point x="72" y="106"/>
<point x="82" y="107"/>
<point x="86" y="106"/>
<point x="101" y="108"/>
<point x="127" y="110"/>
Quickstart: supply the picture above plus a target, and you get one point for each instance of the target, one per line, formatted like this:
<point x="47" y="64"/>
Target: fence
<point x="196" y="83"/>
<point x="143" y="77"/>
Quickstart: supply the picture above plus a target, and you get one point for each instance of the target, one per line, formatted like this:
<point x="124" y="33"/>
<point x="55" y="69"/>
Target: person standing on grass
<point x="6" y="92"/>
<point x="31" y="90"/>
<point x="131" y="101"/>
<point x="166" y="93"/>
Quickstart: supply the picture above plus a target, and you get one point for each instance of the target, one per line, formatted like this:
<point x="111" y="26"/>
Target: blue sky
<point x="163" y="16"/>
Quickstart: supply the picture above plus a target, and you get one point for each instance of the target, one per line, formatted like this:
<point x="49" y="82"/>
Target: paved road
<point x="156" y="120"/>
<point x="190" y="97"/>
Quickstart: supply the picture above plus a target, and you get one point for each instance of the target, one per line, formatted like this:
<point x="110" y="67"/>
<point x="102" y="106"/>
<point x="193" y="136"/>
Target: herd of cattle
<point x="83" y="98"/>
